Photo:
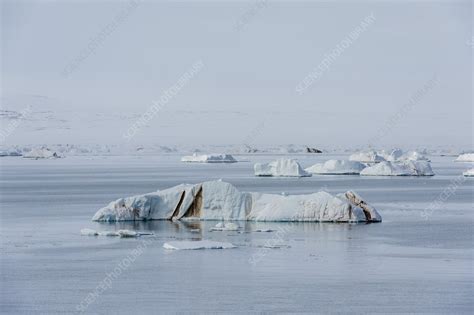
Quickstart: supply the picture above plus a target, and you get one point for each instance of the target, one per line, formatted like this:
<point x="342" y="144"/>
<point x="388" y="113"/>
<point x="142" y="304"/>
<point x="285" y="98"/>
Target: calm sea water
<point x="407" y="263"/>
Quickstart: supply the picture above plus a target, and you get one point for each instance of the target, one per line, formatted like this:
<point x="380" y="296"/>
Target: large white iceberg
<point x="407" y="168"/>
<point x="466" y="157"/>
<point x="280" y="167"/>
<point x="469" y="173"/>
<point x="336" y="167"/>
<point x="41" y="153"/>
<point x="209" y="158"/>
<point x="217" y="200"/>
<point x="366" y="157"/>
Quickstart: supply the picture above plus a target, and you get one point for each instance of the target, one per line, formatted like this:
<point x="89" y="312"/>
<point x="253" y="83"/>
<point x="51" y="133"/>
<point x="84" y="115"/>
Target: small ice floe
<point x="264" y="230"/>
<point x="10" y="152"/>
<point x="195" y="230"/>
<point x="222" y="226"/>
<point x="193" y="245"/>
<point x="469" y="173"/>
<point x="209" y="158"/>
<point x="89" y="232"/>
<point x="41" y="153"/>
<point x="366" y="157"/>
<point x="465" y="157"/>
<point x="275" y="246"/>
<point x="280" y="167"/>
<point x="408" y="168"/>
<point x="119" y="233"/>
<point x="336" y="167"/>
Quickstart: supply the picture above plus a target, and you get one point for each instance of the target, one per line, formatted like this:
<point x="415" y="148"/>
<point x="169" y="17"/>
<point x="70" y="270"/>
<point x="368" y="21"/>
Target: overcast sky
<point x="113" y="58"/>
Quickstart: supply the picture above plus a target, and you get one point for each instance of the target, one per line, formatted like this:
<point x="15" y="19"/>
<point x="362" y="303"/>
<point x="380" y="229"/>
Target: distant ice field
<point x="419" y="259"/>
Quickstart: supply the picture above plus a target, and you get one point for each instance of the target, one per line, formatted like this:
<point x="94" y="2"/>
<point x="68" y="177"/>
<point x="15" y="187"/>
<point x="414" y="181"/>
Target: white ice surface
<point x="466" y="157"/>
<point x="336" y="167"/>
<point x="225" y="226"/>
<point x="366" y="157"/>
<point x="469" y="173"/>
<point x="221" y="201"/>
<point x="407" y="168"/>
<point x="41" y="153"/>
<point x="280" y="167"/>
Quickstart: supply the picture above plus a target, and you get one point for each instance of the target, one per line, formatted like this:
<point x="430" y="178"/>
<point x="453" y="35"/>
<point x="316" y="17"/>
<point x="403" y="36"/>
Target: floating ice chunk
<point x="264" y="230"/>
<point x="407" y="168"/>
<point x="469" y="173"/>
<point x="89" y="232"/>
<point x="121" y="233"/>
<point x="43" y="153"/>
<point x="229" y="226"/>
<point x="127" y="233"/>
<point x="10" y="152"/>
<point x="217" y="200"/>
<point x="193" y="245"/>
<point x="209" y="158"/>
<point x="366" y="157"/>
<point x="280" y="167"/>
<point x="466" y="157"/>
<point x="336" y="167"/>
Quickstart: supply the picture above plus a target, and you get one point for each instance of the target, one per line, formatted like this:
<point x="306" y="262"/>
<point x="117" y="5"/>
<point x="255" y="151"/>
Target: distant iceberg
<point x="217" y="200"/>
<point x="41" y="153"/>
<point x="336" y="167"/>
<point x="10" y="152"/>
<point x="366" y="157"/>
<point x="469" y="173"/>
<point x="280" y="167"/>
<point x="407" y="168"/>
<point x="209" y="158"/>
<point x="466" y="157"/>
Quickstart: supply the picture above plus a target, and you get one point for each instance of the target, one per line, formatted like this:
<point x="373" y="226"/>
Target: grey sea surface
<point x="419" y="259"/>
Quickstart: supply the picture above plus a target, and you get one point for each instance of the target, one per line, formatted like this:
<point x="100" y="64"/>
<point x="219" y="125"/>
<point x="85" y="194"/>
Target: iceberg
<point x="466" y="157"/>
<point x="407" y="168"/>
<point x="366" y="157"/>
<point x="469" y="173"/>
<point x="42" y="153"/>
<point x="336" y="167"/>
<point x="280" y="167"/>
<point x="221" y="201"/>
<point x="209" y="158"/>
<point x="194" y="245"/>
